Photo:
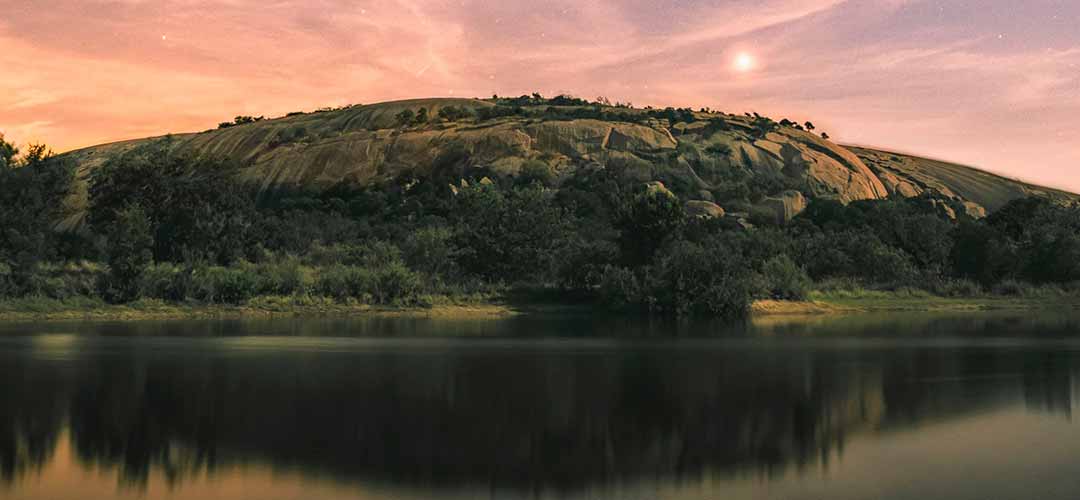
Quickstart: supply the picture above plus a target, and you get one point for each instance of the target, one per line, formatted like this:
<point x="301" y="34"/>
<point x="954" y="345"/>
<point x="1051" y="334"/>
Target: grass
<point x="906" y="299"/>
<point x="832" y="298"/>
<point x="82" y="308"/>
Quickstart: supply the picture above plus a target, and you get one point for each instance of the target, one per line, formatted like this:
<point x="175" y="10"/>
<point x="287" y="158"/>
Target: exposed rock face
<point x="704" y="209"/>
<point x="785" y="206"/>
<point x="980" y="192"/>
<point x="366" y="144"/>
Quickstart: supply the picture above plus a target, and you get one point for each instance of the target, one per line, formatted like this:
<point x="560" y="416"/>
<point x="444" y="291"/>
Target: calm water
<point x="887" y="407"/>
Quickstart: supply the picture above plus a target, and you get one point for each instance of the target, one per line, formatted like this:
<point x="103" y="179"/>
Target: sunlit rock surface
<point x="361" y="145"/>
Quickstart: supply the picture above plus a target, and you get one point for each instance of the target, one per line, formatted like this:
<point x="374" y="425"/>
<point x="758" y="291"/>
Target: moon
<point x="744" y="62"/>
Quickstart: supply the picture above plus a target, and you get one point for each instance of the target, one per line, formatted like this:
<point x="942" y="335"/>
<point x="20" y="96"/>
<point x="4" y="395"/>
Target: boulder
<point x="974" y="210"/>
<point x="704" y="209"/>
<point x="657" y="188"/>
<point x="786" y="205"/>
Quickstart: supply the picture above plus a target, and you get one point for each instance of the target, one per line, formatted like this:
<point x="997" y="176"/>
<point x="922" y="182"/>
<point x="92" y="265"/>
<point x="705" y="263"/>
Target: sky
<point x="990" y="83"/>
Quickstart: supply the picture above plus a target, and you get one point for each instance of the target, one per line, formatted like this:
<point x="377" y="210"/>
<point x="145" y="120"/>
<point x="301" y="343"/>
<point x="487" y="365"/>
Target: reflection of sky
<point x="994" y="83"/>
<point x="1008" y="454"/>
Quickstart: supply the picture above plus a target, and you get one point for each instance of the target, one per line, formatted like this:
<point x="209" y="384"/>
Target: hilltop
<point x="745" y="164"/>
<point x="519" y="201"/>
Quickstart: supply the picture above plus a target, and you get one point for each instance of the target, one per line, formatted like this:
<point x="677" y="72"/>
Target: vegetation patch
<point x="168" y="231"/>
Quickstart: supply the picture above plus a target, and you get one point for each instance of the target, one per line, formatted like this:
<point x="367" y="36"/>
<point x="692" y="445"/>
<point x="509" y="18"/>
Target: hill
<point x="525" y="199"/>
<point x="908" y="175"/>
<point x="745" y="163"/>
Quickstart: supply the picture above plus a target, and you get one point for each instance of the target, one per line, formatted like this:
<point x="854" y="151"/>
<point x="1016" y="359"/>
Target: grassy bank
<point x="914" y="300"/>
<point x="87" y="309"/>
<point x="496" y="306"/>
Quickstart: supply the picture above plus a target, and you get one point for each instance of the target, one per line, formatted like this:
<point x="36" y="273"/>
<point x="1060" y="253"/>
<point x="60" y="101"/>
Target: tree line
<point x="168" y="225"/>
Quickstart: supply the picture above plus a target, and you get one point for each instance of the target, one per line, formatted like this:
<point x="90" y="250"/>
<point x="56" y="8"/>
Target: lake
<point x="902" y="406"/>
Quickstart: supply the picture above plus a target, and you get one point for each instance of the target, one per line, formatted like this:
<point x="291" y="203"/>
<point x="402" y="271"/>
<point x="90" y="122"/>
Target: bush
<point x="1011" y="288"/>
<point x="225" y="285"/>
<point x="130" y="240"/>
<point x="646" y="222"/>
<point x="956" y="287"/>
<point x="784" y="279"/>
<point x="287" y="276"/>
<point x="690" y="280"/>
<point x="165" y="282"/>
<point x="372" y="254"/>
<point x="510" y="235"/>
<point x="536" y="171"/>
<point x="619" y="288"/>
<point x="431" y="250"/>
<point x="195" y="207"/>
<point x="583" y="266"/>
<point x="394" y="283"/>
<point x="343" y="282"/>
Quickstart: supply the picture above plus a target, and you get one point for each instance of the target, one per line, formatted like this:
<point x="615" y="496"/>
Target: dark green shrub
<point x="286" y="276"/>
<point x="344" y="282"/>
<point x="784" y="279"/>
<point x="165" y="281"/>
<point x="130" y="240"/>
<point x="620" y="288"/>
<point x="196" y="208"/>
<point x="225" y="285"/>
<point x="536" y="171"/>
<point x="690" y="280"/>
<point x="583" y="265"/>
<point x="394" y="283"/>
<point x="33" y="192"/>
<point x="953" y="287"/>
<point x="646" y="222"/>
<point x="1011" y="288"/>
<point x="431" y="250"/>
<point x="509" y="235"/>
<point x="372" y="254"/>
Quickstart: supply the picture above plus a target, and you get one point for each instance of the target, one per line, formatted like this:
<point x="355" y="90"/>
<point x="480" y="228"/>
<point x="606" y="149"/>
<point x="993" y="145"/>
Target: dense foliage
<point x="166" y="225"/>
<point x="32" y="188"/>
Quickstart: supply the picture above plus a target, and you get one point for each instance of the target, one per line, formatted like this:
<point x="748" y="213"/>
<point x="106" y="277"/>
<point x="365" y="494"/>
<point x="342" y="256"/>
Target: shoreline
<point x="154" y="310"/>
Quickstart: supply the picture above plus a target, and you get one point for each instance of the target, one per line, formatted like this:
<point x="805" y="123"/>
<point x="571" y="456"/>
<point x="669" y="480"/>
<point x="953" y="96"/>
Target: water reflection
<point x="562" y="416"/>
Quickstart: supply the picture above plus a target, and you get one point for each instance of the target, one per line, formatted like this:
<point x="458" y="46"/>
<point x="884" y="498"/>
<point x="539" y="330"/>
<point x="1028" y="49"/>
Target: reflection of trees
<point x="30" y="415"/>
<point x="520" y="420"/>
<point x="138" y="416"/>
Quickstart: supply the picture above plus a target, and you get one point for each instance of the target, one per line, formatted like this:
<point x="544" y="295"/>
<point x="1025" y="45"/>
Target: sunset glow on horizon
<point x="993" y="84"/>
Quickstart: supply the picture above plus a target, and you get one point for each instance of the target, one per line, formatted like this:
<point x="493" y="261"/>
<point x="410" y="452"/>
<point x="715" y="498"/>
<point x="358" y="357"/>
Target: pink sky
<point x="991" y="83"/>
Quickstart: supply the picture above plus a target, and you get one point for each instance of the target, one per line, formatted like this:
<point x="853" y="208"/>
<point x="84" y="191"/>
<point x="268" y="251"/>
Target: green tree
<point x="692" y="280"/>
<point x="785" y="279"/>
<point x="648" y="221"/>
<point x="7" y="153"/>
<point x="509" y="235"/>
<point x="983" y="253"/>
<point x="130" y="238"/>
<point x="421" y="117"/>
<point x="33" y="200"/>
<point x="198" y="209"/>
<point x="405" y="117"/>
<point x="537" y="171"/>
